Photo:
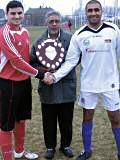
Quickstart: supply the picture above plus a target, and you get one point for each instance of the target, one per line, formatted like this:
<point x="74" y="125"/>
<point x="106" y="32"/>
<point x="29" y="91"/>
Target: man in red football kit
<point x="15" y="84"/>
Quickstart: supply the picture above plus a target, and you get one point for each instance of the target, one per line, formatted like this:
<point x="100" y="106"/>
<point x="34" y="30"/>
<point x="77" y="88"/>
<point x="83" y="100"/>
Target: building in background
<point x="36" y="16"/>
<point x="2" y="17"/>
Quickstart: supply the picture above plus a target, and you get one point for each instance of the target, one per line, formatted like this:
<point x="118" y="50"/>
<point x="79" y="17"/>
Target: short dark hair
<point x="91" y="2"/>
<point x="14" y="4"/>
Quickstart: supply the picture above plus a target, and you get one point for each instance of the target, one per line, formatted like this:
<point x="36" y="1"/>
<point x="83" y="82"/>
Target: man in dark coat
<point x="57" y="100"/>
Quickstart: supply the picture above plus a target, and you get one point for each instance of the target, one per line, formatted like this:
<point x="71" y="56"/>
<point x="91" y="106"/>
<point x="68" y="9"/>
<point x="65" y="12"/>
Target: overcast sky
<point x="65" y="7"/>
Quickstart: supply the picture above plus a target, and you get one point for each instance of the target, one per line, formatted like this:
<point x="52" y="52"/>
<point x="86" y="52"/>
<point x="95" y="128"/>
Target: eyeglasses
<point x="14" y="13"/>
<point x="54" y="21"/>
<point x="95" y="10"/>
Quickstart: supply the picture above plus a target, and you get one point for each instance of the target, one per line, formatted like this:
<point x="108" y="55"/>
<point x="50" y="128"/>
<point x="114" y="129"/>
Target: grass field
<point x="103" y="143"/>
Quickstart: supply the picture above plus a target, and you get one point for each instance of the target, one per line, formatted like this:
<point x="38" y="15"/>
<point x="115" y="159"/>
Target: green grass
<point x="103" y="142"/>
<point x="35" y="32"/>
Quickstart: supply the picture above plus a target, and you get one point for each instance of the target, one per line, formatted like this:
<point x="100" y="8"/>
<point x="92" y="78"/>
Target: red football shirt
<point x="14" y="54"/>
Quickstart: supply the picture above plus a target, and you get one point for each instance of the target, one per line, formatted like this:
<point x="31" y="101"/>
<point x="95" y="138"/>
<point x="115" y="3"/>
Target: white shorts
<point x="111" y="100"/>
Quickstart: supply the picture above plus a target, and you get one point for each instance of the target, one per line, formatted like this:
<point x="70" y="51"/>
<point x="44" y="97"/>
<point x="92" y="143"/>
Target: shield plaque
<point x="50" y="53"/>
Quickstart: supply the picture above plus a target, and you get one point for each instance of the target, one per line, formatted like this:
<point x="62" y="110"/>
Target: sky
<point x="65" y="7"/>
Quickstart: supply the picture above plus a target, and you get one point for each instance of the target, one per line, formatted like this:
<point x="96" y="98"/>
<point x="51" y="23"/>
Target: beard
<point x="53" y="31"/>
<point x="94" y="20"/>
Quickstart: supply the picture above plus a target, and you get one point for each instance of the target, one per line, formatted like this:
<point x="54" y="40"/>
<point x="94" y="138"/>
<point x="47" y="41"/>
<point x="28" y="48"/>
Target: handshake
<point x="45" y="76"/>
<point x="48" y="78"/>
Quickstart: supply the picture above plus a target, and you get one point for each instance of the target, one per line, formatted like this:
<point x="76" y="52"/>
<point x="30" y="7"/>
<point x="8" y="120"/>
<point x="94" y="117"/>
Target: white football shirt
<point x="100" y="50"/>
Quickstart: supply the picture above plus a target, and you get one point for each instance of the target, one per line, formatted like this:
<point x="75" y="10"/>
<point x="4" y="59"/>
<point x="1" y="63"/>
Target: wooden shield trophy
<point x="50" y="53"/>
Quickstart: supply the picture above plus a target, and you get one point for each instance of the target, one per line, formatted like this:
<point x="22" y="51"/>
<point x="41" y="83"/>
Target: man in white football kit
<point x="99" y="44"/>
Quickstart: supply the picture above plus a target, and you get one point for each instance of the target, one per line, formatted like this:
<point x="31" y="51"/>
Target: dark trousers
<point x="63" y="113"/>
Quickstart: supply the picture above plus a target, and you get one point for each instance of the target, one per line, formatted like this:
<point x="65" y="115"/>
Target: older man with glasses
<point x="57" y="100"/>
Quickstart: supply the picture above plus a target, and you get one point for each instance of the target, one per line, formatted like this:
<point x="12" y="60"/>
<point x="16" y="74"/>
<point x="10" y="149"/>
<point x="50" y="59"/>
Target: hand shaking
<point x="48" y="78"/>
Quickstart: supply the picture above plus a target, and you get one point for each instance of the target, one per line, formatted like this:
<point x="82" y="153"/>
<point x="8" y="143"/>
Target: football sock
<point x="86" y="135"/>
<point x="116" y="132"/>
<point x="6" y="145"/>
<point x="19" y="134"/>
